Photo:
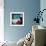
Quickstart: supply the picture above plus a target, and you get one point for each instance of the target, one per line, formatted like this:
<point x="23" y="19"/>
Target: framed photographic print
<point x="16" y="18"/>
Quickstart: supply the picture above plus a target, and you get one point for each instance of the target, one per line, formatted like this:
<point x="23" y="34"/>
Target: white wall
<point x="43" y="6"/>
<point x="1" y="21"/>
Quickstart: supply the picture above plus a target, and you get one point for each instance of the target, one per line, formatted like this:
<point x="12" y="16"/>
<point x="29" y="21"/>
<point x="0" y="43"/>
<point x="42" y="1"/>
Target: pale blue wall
<point x="29" y="7"/>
